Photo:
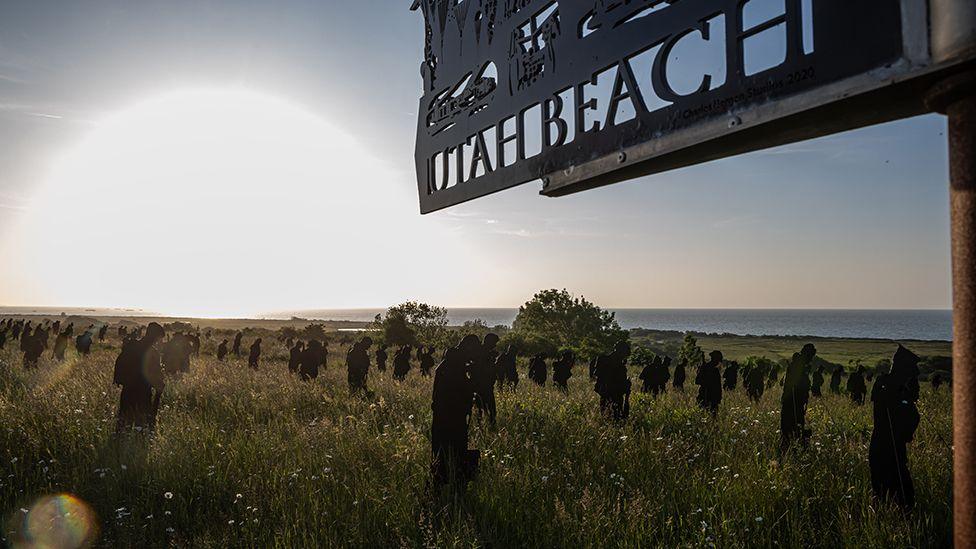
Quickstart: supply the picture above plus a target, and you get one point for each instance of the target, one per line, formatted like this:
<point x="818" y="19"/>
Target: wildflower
<point x="759" y="519"/>
<point x="170" y="530"/>
<point x="231" y="521"/>
<point x="168" y="495"/>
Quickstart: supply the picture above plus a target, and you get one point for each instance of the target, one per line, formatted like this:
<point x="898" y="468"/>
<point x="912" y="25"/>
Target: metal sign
<point x="583" y="93"/>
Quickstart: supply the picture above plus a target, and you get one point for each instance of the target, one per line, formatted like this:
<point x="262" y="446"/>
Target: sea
<point x="874" y="324"/>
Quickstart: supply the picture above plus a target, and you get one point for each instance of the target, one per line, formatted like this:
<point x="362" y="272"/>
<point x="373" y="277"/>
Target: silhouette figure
<point x="537" y="369"/>
<point x="138" y="370"/>
<point x="678" y="380"/>
<point x="656" y="376"/>
<point x="796" y="395"/>
<point x="222" y="350"/>
<point x="83" y="343"/>
<point x="506" y="369"/>
<point x="311" y="359"/>
<point x="401" y="363"/>
<point x="60" y="346"/>
<point x="896" y="418"/>
<point x="254" y="354"/>
<point x="835" y="379"/>
<point x="32" y="344"/>
<point x="237" y="344"/>
<point x="451" y="405"/>
<point x="709" y="381"/>
<point x="357" y="365"/>
<point x="755" y="383"/>
<point x="176" y="354"/>
<point x="483" y="378"/>
<point x="102" y="332"/>
<point x="427" y="361"/>
<point x="381" y="357"/>
<point x="194" y="341"/>
<point x="856" y="386"/>
<point x="818" y="380"/>
<point x="731" y="376"/>
<point x="612" y="383"/>
<point x="773" y="376"/>
<point x="936" y="378"/>
<point x="562" y="370"/>
<point x="295" y="356"/>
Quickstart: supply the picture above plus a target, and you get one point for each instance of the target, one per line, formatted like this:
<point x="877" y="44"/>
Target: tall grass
<point x="256" y="459"/>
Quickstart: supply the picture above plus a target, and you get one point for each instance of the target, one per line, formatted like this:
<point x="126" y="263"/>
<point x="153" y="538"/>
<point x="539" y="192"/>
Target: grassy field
<point x="258" y="459"/>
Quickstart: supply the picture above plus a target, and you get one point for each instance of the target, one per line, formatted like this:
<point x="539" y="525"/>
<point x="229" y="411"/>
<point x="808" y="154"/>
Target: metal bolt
<point x="621" y="157"/>
<point x="734" y="121"/>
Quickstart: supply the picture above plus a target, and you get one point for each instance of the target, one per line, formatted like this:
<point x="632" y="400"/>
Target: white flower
<point x="168" y="495"/>
<point x="759" y="519"/>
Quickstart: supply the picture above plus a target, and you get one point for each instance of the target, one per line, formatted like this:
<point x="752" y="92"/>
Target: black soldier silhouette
<point x="357" y="366"/>
<point x="506" y="368"/>
<point x="612" y="383"/>
<point x="295" y="356"/>
<point x="562" y="370"/>
<point x="254" y="354"/>
<point x="936" y="378"/>
<point x="84" y="342"/>
<point x="655" y="376"/>
<point x="194" y="340"/>
<point x="678" y="379"/>
<point x="896" y="418"/>
<point x="401" y="363"/>
<point x="176" y="354"/>
<point x="773" y="378"/>
<point x="755" y="383"/>
<point x="311" y="360"/>
<point x="102" y="332"/>
<point x="451" y="404"/>
<point x="731" y="376"/>
<point x="222" y="350"/>
<point x="816" y="384"/>
<point x="427" y="361"/>
<point x="32" y="344"/>
<point x="709" y="381"/>
<point x="796" y="396"/>
<point x="835" y="379"/>
<point x="237" y="344"/>
<point x="138" y="370"/>
<point x="60" y="346"/>
<point x="538" y="371"/>
<point x="482" y="372"/>
<point x="856" y="386"/>
<point x="381" y="358"/>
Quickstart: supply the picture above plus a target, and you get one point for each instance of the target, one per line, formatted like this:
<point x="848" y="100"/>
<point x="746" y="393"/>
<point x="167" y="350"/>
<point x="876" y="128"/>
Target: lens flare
<point x="62" y="521"/>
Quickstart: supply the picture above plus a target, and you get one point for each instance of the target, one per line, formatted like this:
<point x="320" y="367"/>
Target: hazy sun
<point x="222" y="202"/>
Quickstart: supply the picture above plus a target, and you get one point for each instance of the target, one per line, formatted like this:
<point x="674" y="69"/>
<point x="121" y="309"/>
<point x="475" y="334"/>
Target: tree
<point x="413" y="323"/>
<point x="555" y="319"/>
<point x="690" y="352"/>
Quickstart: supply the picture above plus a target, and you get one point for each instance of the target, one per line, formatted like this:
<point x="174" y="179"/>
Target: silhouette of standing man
<point x="357" y="366"/>
<point x="295" y="356"/>
<point x="237" y="344"/>
<point x="483" y="377"/>
<point x="381" y="357"/>
<point x="612" y="383"/>
<point x="835" y="379"/>
<point x="451" y="405"/>
<point x="255" y="354"/>
<point x="222" y="350"/>
<point x="139" y="371"/>
<point x="796" y="395"/>
<point x="562" y="370"/>
<point x="896" y="417"/>
<point x="856" y="386"/>
<point x="538" y="370"/>
<point x="709" y="381"/>
<point x="678" y="380"/>
<point x="818" y="381"/>
<point x="401" y="363"/>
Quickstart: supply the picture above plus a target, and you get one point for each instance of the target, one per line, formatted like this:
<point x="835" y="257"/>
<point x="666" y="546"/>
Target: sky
<point x="233" y="157"/>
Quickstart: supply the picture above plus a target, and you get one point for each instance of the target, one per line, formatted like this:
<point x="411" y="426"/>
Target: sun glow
<point x="226" y="202"/>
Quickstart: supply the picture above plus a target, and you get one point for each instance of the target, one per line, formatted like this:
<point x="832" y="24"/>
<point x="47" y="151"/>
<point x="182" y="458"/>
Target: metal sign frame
<point x="510" y="86"/>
